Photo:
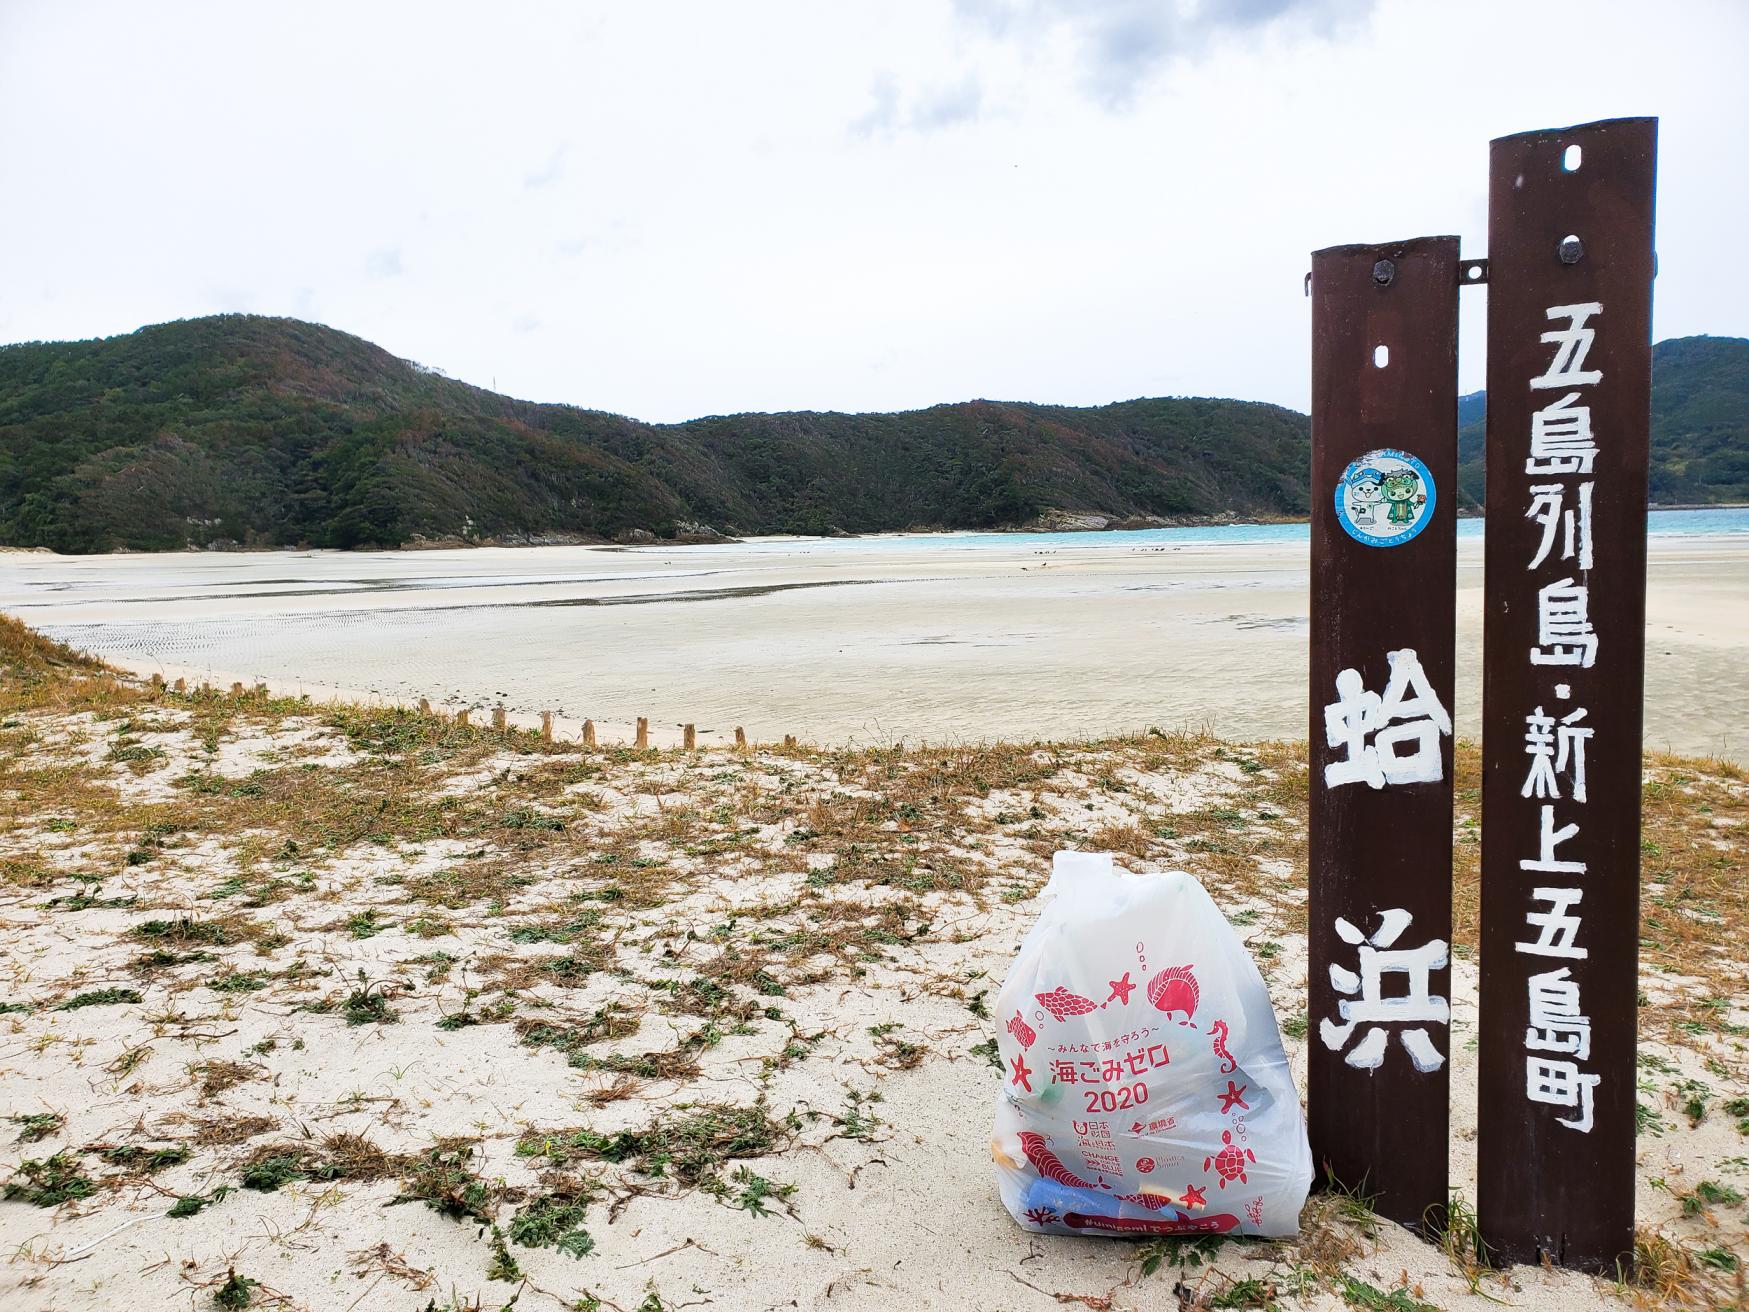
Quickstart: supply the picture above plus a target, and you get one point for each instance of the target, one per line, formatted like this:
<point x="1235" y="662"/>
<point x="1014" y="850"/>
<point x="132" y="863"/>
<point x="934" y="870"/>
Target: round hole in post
<point x="1571" y="249"/>
<point x="1571" y="158"/>
<point x="1473" y="272"/>
<point x="1381" y="356"/>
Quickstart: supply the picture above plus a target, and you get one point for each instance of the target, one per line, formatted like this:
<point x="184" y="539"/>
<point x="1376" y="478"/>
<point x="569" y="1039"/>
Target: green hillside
<point x="276" y="432"/>
<point x="1700" y="424"/>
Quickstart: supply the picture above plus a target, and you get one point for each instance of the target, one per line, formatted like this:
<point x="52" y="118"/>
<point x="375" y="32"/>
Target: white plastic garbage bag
<point x="1144" y="1086"/>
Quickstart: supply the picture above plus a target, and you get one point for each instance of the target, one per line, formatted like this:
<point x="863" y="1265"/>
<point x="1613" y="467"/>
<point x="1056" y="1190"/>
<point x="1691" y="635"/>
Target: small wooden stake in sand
<point x="498" y="718"/>
<point x="157" y="681"/>
<point x="181" y="685"/>
<point x="461" y="717"/>
<point x="589" y="733"/>
<point x="424" y="706"/>
<point x="236" y="690"/>
<point x="789" y="740"/>
<point x="546" y="726"/>
<point x="643" y="731"/>
<point x="740" y="739"/>
<point x="691" y="737"/>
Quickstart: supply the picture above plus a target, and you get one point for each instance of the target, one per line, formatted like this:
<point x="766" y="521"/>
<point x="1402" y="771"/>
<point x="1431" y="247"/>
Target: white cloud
<point x="882" y="115"/>
<point x="550" y="171"/>
<point x="946" y="105"/>
<point x="1121" y="45"/>
<point x="929" y="108"/>
<point x="664" y="210"/>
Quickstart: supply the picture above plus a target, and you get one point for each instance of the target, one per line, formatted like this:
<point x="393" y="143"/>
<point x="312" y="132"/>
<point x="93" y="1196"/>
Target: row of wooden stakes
<point x="689" y="733"/>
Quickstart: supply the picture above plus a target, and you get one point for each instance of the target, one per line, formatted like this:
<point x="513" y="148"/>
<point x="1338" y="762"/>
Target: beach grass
<point x="641" y="934"/>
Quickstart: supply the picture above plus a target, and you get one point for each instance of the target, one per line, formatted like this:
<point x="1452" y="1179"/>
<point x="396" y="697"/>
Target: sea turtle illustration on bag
<point x="1230" y="1160"/>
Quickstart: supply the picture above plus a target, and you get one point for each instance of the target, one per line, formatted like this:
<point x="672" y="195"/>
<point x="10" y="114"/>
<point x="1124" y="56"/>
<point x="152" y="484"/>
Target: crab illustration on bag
<point x="1145" y="1090"/>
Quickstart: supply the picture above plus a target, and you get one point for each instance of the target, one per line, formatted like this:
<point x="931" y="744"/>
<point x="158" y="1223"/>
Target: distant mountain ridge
<point x="274" y="432"/>
<point x="1700" y="425"/>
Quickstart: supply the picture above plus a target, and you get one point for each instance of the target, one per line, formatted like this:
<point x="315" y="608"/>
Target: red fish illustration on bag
<point x="1175" y="989"/>
<point x="1153" y="1202"/>
<point x="1063" y="1004"/>
<point x="1047" y="1163"/>
<point x="1022" y="1031"/>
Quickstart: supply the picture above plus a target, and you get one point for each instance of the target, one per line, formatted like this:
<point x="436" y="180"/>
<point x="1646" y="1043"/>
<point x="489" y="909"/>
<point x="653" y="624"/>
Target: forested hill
<point x="273" y="432"/>
<point x="276" y="432"/>
<point x="1700" y="424"/>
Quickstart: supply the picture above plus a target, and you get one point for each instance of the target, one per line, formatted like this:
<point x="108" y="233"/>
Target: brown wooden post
<point x="740" y="739"/>
<point x="424" y="706"/>
<point x="461" y="717"/>
<point x="789" y="740"/>
<point x="157" y="683"/>
<point x="589" y="733"/>
<point x="690" y="736"/>
<point x="236" y="690"/>
<point x="1384" y="570"/>
<point x="181" y="685"/>
<point x="498" y="718"/>
<point x="643" y="739"/>
<point x="1569" y="410"/>
<point x="546" y="726"/>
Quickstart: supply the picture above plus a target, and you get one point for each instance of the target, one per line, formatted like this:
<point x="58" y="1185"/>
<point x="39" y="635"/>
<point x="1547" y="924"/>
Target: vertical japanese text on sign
<point x="1384" y="544"/>
<point x="1568" y="411"/>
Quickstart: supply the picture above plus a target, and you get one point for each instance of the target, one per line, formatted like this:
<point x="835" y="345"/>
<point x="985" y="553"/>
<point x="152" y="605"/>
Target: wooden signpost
<point x="1384" y="560"/>
<point x="1569" y="398"/>
<point x="1569" y="401"/>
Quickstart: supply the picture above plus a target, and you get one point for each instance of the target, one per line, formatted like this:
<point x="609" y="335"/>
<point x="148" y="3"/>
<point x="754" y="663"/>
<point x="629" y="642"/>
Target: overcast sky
<point x="669" y="210"/>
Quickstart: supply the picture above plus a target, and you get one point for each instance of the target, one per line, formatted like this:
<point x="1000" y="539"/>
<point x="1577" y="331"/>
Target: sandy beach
<point x="948" y="638"/>
<point x="346" y="1008"/>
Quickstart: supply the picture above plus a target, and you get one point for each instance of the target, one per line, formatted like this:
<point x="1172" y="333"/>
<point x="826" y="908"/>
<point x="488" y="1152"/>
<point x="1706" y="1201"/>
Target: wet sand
<point x="869" y="641"/>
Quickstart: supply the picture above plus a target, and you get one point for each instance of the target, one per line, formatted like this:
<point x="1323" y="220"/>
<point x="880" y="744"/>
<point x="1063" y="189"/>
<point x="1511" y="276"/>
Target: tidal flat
<point x="937" y="638"/>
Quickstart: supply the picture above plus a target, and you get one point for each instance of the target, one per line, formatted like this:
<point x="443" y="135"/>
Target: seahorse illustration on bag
<point x="1219" y="1032"/>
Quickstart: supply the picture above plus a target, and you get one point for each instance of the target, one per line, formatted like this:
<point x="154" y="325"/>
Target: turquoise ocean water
<point x="1714" y="522"/>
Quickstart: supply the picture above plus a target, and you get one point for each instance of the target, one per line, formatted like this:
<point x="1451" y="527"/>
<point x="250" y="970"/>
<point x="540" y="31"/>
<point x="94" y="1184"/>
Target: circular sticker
<point x="1385" y="498"/>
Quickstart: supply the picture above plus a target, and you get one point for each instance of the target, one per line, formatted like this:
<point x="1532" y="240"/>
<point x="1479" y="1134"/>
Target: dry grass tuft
<point x="676" y="927"/>
<point x="27" y="654"/>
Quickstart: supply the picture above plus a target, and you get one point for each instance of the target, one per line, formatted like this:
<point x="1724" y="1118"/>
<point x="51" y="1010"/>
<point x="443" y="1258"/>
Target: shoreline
<point x="1070" y="522"/>
<point x="915" y="639"/>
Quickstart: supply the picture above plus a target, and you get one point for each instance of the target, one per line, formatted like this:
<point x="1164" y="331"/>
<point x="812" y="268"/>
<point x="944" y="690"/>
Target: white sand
<point x="904" y="1216"/>
<point x="920" y="639"/>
